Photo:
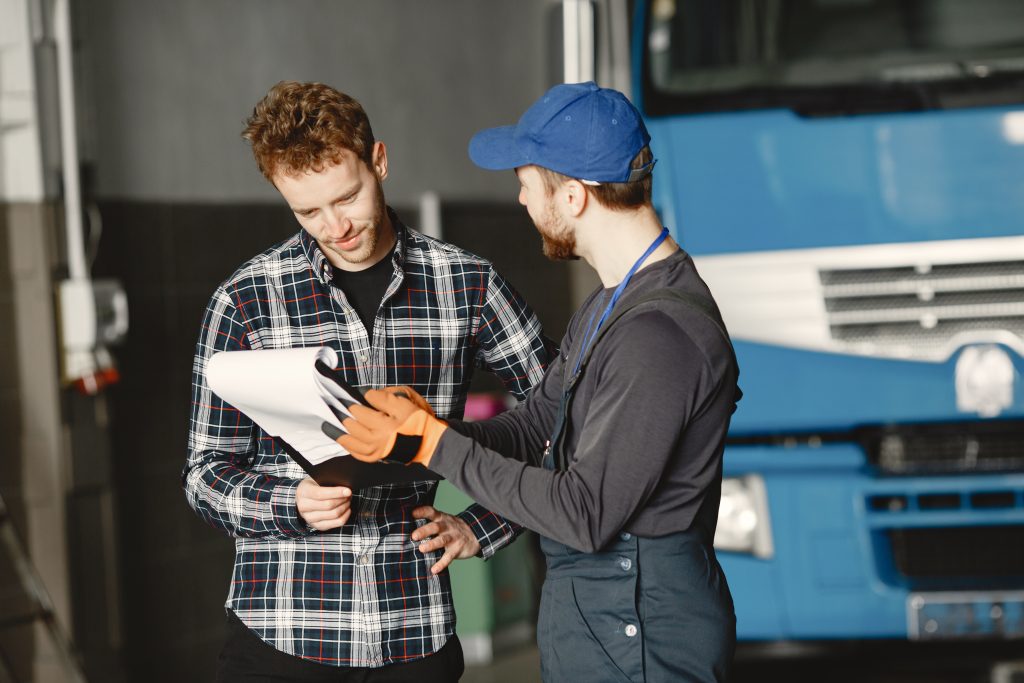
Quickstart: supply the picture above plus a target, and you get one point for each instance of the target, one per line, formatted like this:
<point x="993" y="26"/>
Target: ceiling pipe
<point x="77" y="266"/>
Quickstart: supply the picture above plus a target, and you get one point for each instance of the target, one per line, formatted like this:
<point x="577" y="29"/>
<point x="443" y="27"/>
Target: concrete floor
<point x="853" y="664"/>
<point x="521" y="665"/>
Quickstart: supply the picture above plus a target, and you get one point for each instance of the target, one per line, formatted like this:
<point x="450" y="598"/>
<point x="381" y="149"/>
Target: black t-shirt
<point x="365" y="289"/>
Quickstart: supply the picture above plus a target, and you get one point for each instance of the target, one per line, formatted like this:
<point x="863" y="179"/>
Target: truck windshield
<point x="832" y="57"/>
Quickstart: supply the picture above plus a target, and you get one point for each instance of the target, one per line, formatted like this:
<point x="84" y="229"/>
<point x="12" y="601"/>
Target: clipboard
<point x="290" y="393"/>
<point x="345" y="470"/>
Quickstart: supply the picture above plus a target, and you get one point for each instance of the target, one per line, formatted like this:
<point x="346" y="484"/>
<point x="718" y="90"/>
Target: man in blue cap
<point x="616" y="457"/>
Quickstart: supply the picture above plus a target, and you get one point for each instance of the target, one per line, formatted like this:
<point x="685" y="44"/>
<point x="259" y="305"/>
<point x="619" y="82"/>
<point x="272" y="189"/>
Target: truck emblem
<point x="984" y="380"/>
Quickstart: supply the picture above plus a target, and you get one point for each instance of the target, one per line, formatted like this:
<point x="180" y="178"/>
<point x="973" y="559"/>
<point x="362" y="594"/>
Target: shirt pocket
<point x="443" y="355"/>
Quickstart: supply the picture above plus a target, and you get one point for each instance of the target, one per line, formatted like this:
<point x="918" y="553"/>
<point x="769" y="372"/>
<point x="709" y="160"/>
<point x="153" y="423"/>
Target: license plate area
<point x="965" y="615"/>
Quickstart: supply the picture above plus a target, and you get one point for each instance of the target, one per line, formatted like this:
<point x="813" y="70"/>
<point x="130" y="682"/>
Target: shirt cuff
<point x="286" y="513"/>
<point x="492" y="532"/>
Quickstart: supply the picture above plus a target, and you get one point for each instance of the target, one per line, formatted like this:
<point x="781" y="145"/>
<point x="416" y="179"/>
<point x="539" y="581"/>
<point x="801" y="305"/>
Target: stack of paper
<point x="282" y="392"/>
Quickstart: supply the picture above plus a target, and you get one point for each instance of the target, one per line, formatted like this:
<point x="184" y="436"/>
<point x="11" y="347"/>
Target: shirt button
<point x="630" y="630"/>
<point x="625" y="535"/>
<point x="364" y="358"/>
<point x="363" y="560"/>
<point x="625" y="563"/>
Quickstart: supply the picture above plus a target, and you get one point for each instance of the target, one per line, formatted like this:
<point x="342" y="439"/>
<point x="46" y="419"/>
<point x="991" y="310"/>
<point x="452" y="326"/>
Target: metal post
<point x="430" y="214"/>
<point x="578" y="39"/>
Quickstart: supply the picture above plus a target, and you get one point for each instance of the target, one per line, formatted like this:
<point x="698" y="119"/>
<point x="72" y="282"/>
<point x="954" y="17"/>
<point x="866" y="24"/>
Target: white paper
<point x="282" y="392"/>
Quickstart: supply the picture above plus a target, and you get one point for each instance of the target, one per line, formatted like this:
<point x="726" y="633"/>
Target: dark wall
<point x="504" y="234"/>
<point x="15" y="605"/>
<point x="175" y="570"/>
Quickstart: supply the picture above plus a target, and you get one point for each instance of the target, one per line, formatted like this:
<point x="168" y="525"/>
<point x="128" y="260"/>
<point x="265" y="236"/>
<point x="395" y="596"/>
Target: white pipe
<point x="587" y="71"/>
<point x="570" y="41"/>
<point x="430" y="214"/>
<point x="77" y="268"/>
<point x="578" y="39"/>
<point x="618" y="27"/>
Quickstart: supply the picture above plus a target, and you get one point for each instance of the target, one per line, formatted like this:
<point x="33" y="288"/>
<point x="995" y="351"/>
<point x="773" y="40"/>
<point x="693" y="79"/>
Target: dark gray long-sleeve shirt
<point x="646" y="434"/>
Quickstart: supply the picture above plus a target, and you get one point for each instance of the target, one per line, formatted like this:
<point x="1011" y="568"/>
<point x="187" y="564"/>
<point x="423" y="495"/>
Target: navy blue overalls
<point x="643" y="610"/>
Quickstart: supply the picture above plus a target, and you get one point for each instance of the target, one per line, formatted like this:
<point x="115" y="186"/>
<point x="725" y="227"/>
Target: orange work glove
<point x="395" y="428"/>
<point x="413" y="396"/>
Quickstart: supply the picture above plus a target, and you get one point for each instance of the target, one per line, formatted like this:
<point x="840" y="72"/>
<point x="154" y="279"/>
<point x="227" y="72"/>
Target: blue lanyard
<point x="588" y="336"/>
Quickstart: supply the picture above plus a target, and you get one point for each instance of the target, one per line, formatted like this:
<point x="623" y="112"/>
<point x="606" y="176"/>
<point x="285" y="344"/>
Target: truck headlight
<point x="743" y="524"/>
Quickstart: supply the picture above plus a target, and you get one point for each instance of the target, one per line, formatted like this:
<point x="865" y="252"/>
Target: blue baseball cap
<point x="580" y="130"/>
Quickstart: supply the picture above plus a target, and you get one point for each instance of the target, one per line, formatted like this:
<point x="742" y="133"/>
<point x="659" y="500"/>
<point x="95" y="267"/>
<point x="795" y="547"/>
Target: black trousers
<point x="245" y="658"/>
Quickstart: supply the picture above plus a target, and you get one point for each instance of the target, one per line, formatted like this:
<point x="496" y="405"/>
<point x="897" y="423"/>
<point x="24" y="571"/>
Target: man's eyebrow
<point x="340" y="197"/>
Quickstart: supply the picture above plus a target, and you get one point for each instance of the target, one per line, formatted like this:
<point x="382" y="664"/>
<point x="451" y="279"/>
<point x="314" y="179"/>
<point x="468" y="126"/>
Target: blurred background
<point x="849" y="175"/>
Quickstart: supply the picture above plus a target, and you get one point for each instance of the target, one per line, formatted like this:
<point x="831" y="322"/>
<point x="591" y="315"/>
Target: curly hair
<point x="300" y="127"/>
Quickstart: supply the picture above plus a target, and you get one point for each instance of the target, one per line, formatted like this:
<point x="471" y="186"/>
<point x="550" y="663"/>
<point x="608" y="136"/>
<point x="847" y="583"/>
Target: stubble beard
<point x="370" y="235"/>
<point x="559" y="239"/>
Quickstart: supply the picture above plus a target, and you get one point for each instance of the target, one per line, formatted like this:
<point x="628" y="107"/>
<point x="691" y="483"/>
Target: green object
<point x="491" y="595"/>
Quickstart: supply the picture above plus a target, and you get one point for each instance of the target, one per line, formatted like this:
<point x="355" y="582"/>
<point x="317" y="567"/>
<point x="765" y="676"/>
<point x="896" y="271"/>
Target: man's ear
<point x="380" y="160"/>
<point x="574" y="197"/>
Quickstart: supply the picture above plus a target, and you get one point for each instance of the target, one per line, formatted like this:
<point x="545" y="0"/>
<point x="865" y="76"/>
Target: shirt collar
<point x="323" y="268"/>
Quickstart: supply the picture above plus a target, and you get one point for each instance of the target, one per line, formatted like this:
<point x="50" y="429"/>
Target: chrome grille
<point x="916" y="310"/>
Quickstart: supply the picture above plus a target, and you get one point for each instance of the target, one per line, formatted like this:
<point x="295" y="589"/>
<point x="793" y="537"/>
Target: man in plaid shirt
<point x="328" y="583"/>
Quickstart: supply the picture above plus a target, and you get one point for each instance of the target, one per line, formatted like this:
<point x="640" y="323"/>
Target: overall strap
<point x="555" y="455"/>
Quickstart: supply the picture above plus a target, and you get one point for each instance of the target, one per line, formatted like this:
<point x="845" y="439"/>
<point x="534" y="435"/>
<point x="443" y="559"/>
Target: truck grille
<point x="940" y="449"/>
<point x="916" y="311"/>
<point x="990" y="499"/>
<point x="977" y="552"/>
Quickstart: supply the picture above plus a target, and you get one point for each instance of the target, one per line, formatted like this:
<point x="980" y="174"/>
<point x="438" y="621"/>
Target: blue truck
<point x="849" y="177"/>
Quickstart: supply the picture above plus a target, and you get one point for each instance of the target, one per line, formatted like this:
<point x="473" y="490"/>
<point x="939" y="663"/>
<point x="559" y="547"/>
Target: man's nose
<point x="337" y="221"/>
<point x="522" y="196"/>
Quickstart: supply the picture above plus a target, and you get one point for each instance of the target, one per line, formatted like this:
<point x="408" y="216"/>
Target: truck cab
<point x="849" y="178"/>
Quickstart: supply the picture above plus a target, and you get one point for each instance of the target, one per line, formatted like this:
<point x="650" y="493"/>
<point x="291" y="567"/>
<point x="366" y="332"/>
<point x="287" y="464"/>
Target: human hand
<point x="323" y="507"/>
<point x="449" y="532"/>
<point x="394" y="427"/>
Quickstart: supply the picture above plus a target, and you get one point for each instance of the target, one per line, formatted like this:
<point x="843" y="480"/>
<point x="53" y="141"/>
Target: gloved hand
<point x="396" y="427"/>
<point x="413" y="396"/>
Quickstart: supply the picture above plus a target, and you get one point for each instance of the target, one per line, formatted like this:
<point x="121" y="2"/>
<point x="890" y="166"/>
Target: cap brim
<point x="495" y="149"/>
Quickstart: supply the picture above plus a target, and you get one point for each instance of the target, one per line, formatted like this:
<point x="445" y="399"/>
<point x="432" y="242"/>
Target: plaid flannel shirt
<point x="362" y="595"/>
